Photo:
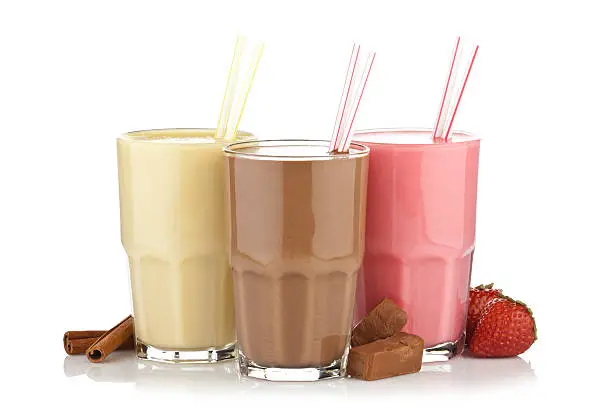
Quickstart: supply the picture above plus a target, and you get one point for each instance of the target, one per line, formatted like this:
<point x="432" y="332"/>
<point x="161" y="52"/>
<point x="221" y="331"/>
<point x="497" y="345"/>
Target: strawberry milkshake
<point x="420" y="228"/>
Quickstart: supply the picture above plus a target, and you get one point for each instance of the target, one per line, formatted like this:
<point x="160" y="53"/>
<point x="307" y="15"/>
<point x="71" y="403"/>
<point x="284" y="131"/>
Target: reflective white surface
<point x="463" y="374"/>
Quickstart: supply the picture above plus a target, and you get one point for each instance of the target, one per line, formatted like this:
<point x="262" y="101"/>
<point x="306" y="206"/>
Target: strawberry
<point x="506" y="328"/>
<point x="479" y="297"/>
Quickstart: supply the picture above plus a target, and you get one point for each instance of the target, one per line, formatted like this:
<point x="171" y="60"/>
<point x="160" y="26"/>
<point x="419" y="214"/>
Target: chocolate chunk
<point x="385" y="320"/>
<point x="396" y="355"/>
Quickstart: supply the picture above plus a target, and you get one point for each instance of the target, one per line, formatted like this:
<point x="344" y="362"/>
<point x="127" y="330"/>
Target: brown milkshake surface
<point x="296" y="248"/>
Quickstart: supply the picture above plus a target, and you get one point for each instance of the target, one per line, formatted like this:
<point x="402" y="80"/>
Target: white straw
<point x="239" y="81"/>
<point x="239" y="103"/>
<point x="228" y="97"/>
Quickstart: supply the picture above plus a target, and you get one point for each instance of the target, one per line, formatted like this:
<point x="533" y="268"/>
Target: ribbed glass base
<point x="210" y="355"/>
<point x="444" y="351"/>
<point x="250" y="368"/>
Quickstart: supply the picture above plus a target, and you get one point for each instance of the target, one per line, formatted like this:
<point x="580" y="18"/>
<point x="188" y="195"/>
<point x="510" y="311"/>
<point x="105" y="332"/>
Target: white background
<point x="75" y="74"/>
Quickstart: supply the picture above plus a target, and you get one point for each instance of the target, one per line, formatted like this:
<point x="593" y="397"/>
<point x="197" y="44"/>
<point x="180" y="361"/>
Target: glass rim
<point x="461" y="136"/>
<point x="233" y="150"/>
<point x="141" y="135"/>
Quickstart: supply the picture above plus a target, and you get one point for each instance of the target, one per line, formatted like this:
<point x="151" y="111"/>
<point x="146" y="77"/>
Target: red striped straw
<point x="445" y="94"/>
<point x="350" y="72"/>
<point x="352" y="94"/>
<point x="461" y="68"/>
<point x="361" y="88"/>
<point x="467" y="76"/>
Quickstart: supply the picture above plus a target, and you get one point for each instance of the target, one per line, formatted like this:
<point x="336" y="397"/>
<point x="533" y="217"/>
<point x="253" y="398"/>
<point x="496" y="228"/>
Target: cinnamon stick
<point x="111" y="340"/>
<point x="76" y="342"/>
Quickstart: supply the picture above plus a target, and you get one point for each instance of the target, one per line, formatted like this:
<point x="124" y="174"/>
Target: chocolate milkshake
<point x="296" y="247"/>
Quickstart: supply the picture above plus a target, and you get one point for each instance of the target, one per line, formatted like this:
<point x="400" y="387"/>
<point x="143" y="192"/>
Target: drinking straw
<point x="356" y="102"/>
<point x="350" y="72"/>
<point x="460" y="69"/>
<point x="350" y="99"/>
<point x="464" y="82"/>
<point x="450" y="97"/>
<point x="448" y="81"/>
<point x="229" y="88"/>
<point x="237" y="89"/>
<point x="245" y="89"/>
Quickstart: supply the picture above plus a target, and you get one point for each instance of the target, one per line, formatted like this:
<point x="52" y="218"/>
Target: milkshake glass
<point x="297" y="224"/>
<point x="174" y="229"/>
<point x="421" y="221"/>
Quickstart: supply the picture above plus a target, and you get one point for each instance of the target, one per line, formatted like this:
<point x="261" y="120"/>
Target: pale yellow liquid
<point x="174" y="230"/>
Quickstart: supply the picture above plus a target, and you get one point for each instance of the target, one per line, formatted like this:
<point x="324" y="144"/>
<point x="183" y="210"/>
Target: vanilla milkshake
<point x="174" y="230"/>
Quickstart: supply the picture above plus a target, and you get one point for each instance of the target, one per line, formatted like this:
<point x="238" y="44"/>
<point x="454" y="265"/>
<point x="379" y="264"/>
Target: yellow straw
<point x="229" y="89"/>
<point x="246" y="89"/>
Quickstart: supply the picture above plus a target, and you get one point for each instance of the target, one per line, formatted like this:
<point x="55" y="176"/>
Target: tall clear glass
<point x="420" y="234"/>
<point x="297" y="224"/>
<point x="174" y="230"/>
